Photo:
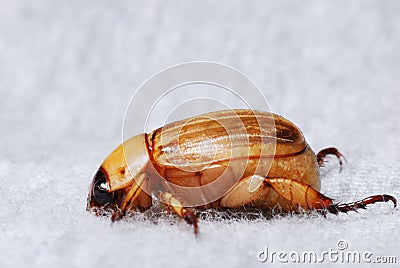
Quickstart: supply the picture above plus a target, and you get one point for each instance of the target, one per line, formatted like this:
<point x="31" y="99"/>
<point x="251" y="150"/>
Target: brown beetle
<point x="224" y="159"/>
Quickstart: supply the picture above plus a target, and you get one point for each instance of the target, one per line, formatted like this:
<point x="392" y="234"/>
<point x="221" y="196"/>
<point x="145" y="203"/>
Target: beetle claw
<point x="191" y="218"/>
<point x="118" y="215"/>
<point x="330" y="151"/>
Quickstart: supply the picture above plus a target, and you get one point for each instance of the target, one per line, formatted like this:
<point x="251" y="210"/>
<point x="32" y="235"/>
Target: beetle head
<point x="116" y="175"/>
<point x="101" y="199"/>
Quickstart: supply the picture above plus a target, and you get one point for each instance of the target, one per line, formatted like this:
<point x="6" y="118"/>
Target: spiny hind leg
<point x="307" y="197"/>
<point x="361" y="204"/>
<point x="299" y="193"/>
<point x="253" y="187"/>
<point x="174" y="205"/>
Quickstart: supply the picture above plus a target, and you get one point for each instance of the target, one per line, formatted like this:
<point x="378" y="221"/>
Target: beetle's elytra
<point x="232" y="158"/>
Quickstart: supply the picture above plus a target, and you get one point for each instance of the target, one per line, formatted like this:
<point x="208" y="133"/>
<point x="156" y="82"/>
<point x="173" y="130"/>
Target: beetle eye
<point x="100" y="191"/>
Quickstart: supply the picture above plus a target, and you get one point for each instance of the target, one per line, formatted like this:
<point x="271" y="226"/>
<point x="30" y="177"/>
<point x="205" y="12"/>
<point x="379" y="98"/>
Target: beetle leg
<point x="133" y="193"/>
<point x="333" y="151"/>
<point x="176" y="206"/>
<point x="336" y="208"/>
<point x="307" y="197"/>
<point x="299" y="193"/>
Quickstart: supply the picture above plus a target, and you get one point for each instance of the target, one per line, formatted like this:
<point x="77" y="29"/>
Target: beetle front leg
<point x="330" y="151"/>
<point x="174" y="205"/>
<point x="132" y="195"/>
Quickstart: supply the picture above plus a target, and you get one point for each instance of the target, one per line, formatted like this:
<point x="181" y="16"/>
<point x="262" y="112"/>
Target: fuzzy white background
<point x="69" y="68"/>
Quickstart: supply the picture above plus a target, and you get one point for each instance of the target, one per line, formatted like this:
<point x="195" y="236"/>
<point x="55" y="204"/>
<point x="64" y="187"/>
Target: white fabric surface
<point x="68" y="69"/>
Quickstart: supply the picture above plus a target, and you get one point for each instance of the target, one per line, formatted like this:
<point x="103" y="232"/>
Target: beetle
<point x="231" y="158"/>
